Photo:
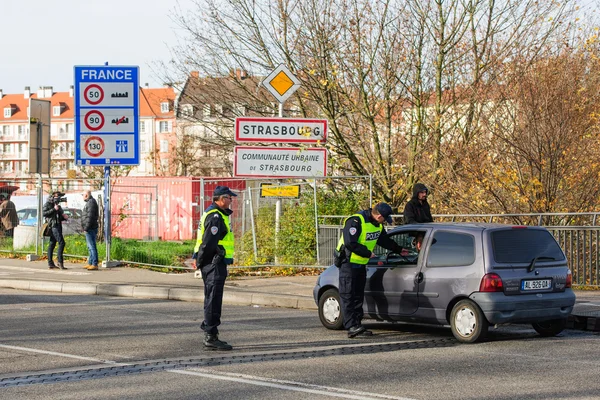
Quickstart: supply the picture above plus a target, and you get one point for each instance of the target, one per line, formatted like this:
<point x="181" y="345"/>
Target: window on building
<point x="143" y="146"/>
<point x="164" y="146"/>
<point x="5" y="130"/>
<point x="163" y="126"/>
<point x="7" y="112"/>
<point x="21" y="148"/>
<point x="207" y="152"/>
<point x="7" y="148"/>
<point x="21" y="130"/>
<point x="142" y="126"/>
<point x="69" y="128"/>
<point x="164" y="107"/>
<point x="56" y="111"/>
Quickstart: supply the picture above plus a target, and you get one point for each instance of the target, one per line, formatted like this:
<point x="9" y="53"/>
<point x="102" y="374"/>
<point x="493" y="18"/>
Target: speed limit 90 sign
<point x="94" y="120"/>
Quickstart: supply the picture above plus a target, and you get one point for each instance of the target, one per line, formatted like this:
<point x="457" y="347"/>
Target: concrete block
<point x="80" y="288"/>
<point x="151" y="292"/>
<point x="110" y="264"/>
<point x="183" y="294"/>
<point x="24" y="236"/>
<point x="115" y="290"/>
<point x="32" y="257"/>
<point x="46" y="286"/>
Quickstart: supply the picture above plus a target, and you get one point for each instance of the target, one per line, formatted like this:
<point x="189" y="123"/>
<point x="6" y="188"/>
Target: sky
<point x="43" y="40"/>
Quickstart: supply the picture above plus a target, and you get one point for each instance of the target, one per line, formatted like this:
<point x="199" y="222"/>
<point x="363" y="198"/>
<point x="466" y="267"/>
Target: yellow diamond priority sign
<point x="281" y="83"/>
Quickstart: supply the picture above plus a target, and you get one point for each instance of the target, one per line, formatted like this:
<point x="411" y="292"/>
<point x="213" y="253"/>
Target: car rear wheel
<point x="550" y="328"/>
<point x="468" y="322"/>
<point x="330" y="311"/>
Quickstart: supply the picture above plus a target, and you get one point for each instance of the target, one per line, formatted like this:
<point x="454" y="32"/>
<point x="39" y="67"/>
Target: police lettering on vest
<point x="368" y="237"/>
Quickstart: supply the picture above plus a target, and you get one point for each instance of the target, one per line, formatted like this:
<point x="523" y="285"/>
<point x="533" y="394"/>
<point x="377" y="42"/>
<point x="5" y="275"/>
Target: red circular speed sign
<point x="93" y="94"/>
<point x="94" y="120"/>
<point x="94" y="146"/>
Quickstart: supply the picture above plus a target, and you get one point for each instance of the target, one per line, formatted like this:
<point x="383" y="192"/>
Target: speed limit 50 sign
<point x="106" y="115"/>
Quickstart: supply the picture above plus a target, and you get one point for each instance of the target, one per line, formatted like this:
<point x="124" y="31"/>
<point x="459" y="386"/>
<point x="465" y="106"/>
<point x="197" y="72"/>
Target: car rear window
<point x="523" y="245"/>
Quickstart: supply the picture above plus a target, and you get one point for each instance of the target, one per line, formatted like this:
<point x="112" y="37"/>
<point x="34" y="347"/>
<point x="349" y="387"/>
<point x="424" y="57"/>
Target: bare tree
<point x="403" y="83"/>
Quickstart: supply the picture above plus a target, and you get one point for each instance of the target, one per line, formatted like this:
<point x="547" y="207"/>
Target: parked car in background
<point x="468" y="276"/>
<point x="28" y="217"/>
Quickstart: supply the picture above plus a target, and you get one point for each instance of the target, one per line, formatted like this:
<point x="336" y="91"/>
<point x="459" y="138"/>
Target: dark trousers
<point x="352" y="292"/>
<point x="214" y="276"/>
<point x="56" y="236"/>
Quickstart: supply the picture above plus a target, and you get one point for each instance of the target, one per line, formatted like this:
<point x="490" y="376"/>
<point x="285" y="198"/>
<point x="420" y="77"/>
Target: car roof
<point x="466" y="225"/>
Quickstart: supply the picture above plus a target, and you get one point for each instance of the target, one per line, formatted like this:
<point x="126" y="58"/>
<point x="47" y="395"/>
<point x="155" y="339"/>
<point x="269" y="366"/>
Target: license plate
<point x="537" y="284"/>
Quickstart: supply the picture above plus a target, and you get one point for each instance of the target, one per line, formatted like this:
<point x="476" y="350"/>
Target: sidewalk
<point x="280" y="291"/>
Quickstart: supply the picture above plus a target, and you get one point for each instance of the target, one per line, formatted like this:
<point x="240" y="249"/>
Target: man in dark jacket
<point x="213" y="252"/>
<point x="417" y="209"/>
<point x="54" y="215"/>
<point x="89" y="223"/>
<point x="362" y="231"/>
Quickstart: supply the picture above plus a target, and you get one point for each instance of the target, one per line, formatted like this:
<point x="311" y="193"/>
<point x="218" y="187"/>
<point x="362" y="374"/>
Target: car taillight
<point x="491" y="283"/>
<point x="569" y="279"/>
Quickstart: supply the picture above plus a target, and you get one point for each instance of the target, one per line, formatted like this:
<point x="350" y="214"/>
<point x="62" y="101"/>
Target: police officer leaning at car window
<point x="362" y="231"/>
<point x="213" y="252"/>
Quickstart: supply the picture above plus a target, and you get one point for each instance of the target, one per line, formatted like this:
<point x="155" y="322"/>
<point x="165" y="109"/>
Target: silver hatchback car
<point x="466" y="275"/>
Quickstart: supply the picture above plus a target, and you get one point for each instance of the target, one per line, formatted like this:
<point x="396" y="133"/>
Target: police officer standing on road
<point x="213" y="252"/>
<point x="362" y="231"/>
<point x="54" y="217"/>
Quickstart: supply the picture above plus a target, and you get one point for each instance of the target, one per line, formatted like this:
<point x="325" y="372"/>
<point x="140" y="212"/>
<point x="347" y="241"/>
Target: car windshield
<point x="524" y="245"/>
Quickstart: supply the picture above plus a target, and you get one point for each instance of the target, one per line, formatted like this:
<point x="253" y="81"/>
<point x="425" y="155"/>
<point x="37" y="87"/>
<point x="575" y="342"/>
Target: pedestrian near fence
<point x="89" y="223"/>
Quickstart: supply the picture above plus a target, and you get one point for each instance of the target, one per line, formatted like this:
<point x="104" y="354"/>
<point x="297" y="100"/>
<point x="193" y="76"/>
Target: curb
<point x="162" y="293"/>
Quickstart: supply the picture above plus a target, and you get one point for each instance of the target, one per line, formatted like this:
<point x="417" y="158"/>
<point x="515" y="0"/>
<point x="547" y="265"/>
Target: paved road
<point x="128" y="348"/>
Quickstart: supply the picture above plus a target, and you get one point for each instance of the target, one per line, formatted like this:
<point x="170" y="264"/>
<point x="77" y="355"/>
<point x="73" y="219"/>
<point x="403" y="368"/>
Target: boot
<point x="92" y="267"/>
<point x="212" y="342"/>
<point x="61" y="265"/>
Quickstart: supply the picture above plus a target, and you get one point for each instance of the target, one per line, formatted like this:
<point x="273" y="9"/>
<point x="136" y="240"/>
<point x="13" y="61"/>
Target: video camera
<point x="60" y="199"/>
<point x="57" y="200"/>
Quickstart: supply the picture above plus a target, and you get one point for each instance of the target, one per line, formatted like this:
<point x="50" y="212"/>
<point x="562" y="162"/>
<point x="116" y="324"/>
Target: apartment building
<point x="157" y="127"/>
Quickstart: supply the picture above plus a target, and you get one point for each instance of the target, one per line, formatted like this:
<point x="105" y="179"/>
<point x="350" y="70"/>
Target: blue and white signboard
<point x="107" y="115"/>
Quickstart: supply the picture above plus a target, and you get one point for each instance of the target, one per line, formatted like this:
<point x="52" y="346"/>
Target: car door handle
<point x="419" y="277"/>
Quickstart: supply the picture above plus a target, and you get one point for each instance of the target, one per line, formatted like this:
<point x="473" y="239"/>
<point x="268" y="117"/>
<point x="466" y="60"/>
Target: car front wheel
<point x="468" y="322"/>
<point x="550" y="328"/>
<point x="330" y="311"/>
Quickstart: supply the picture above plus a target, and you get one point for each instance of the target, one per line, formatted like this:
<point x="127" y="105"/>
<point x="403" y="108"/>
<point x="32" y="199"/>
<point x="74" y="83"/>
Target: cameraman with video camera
<point x="54" y="217"/>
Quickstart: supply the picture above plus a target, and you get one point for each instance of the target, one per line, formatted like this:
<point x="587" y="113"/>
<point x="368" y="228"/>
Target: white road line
<point x="52" y="353"/>
<point x="285" y="385"/>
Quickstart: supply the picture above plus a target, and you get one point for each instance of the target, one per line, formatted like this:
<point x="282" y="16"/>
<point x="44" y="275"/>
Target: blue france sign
<point x="107" y="115"/>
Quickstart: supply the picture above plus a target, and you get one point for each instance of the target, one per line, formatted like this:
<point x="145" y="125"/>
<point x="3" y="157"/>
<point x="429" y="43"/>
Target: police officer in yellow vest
<point x="213" y="252"/>
<point x="362" y="231"/>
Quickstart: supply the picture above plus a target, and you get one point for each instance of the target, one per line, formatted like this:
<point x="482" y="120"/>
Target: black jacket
<point x="351" y="236"/>
<point x="90" y="215"/>
<point x="415" y="211"/>
<point x="210" y="242"/>
<point x="53" y="217"/>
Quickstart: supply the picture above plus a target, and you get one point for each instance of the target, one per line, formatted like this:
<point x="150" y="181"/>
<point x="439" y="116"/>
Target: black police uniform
<point x="211" y="263"/>
<point x="352" y="277"/>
